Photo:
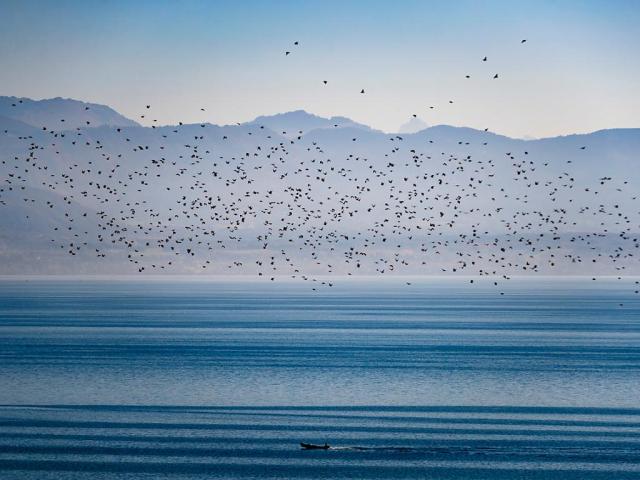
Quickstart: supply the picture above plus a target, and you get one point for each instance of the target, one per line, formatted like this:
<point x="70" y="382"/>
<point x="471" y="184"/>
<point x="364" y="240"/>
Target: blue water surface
<point x="213" y="378"/>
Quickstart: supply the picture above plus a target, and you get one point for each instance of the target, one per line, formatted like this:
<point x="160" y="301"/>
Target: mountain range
<point x="59" y="156"/>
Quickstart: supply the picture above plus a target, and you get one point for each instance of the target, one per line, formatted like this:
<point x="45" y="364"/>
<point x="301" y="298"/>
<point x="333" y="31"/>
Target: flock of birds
<point x="325" y="82"/>
<point x="248" y="199"/>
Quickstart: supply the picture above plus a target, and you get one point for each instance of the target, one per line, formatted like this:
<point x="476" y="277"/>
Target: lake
<point x="211" y="378"/>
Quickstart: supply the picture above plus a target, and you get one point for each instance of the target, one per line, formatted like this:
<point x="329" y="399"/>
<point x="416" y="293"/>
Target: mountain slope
<point x="61" y="113"/>
<point x="292" y="124"/>
<point x="170" y="197"/>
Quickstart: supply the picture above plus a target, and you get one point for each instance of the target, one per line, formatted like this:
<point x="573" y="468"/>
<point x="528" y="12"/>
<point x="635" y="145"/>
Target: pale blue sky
<point x="578" y="71"/>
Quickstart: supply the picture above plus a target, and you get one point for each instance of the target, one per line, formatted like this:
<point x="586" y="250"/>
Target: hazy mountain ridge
<point x="136" y="181"/>
<point x="299" y="122"/>
<point x="413" y="125"/>
<point x="46" y="112"/>
<point x="61" y="113"/>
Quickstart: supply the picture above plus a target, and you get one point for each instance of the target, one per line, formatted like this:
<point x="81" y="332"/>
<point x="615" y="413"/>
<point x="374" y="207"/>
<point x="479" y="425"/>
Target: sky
<point x="578" y="71"/>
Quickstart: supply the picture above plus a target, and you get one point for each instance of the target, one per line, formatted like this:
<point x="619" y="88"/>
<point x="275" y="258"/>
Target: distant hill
<point x="293" y="124"/>
<point x="413" y="125"/>
<point x="75" y="191"/>
<point x="61" y="113"/>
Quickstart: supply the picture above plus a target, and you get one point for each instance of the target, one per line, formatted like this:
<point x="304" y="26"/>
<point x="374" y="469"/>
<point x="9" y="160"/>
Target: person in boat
<point x="311" y="446"/>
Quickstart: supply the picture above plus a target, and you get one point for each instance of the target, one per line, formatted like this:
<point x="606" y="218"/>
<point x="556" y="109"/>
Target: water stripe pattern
<point x="367" y="442"/>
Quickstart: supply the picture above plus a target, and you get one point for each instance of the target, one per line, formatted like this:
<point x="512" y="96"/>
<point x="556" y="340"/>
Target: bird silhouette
<point x="273" y="199"/>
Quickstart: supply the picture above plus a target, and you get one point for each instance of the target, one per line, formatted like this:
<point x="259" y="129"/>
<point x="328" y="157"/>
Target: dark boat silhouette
<point x="311" y="446"/>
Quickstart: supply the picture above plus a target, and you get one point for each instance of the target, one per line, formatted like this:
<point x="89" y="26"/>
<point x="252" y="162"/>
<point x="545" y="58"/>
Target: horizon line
<point x="248" y="122"/>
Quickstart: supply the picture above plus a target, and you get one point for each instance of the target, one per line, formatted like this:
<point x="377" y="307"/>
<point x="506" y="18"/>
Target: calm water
<point x="205" y="379"/>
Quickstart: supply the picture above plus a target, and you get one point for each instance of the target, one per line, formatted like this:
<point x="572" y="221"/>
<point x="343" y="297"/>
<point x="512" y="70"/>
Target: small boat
<point x="311" y="446"/>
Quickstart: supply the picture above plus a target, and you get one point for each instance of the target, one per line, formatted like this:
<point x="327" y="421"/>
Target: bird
<point x="271" y="200"/>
